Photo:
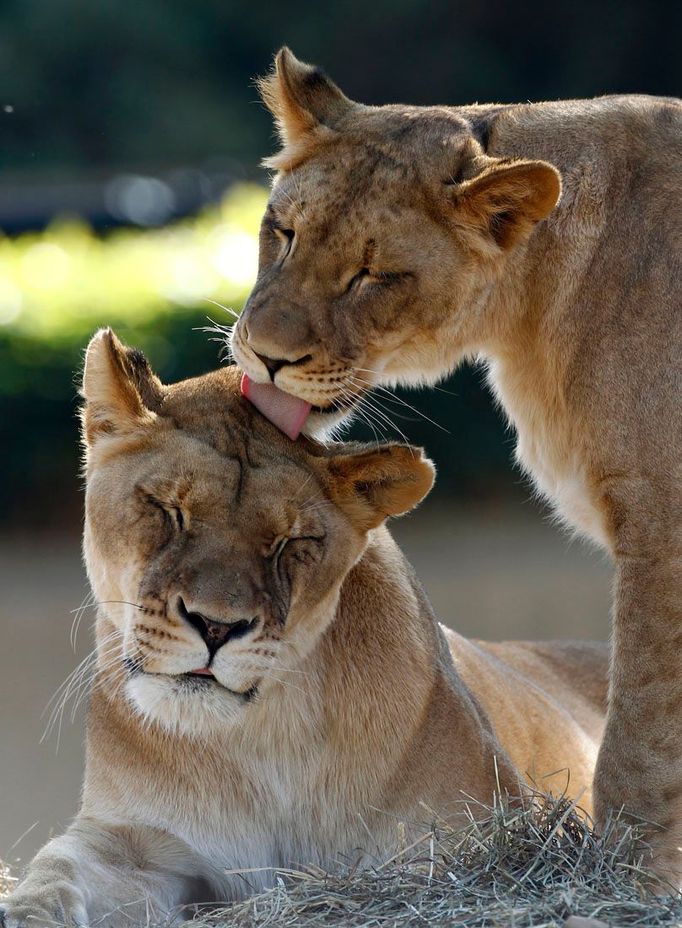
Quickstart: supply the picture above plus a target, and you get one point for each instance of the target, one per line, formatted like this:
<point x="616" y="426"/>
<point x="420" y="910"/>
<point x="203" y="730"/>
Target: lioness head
<point x="385" y="229"/>
<point x="216" y="547"/>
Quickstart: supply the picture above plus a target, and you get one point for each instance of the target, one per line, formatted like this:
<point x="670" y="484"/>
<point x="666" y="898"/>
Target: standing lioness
<point x="272" y="688"/>
<point x="399" y="239"/>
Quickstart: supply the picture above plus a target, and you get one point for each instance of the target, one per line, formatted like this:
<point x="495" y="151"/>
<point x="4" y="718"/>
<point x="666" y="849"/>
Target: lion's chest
<point x="549" y="448"/>
<point x="563" y="483"/>
<point x="265" y="817"/>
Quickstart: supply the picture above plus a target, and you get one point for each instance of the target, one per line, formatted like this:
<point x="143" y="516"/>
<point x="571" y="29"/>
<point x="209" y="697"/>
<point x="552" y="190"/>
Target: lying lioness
<point x="273" y="688"/>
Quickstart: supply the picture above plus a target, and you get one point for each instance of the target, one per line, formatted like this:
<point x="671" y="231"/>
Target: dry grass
<point x="533" y="866"/>
<point x="6" y="881"/>
<point x="529" y="867"/>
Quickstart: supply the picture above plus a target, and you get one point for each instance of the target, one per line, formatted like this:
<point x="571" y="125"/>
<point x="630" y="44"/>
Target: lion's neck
<point x="539" y="311"/>
<point x="382" y="618"/>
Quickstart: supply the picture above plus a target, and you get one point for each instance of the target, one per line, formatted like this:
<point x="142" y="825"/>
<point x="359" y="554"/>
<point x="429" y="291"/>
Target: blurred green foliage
<point x="55" y="285"/>
<point x="58" y="286"/>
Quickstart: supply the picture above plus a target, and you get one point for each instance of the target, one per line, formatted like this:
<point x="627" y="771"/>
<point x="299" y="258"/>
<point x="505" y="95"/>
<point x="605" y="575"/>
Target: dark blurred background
<point x="130" y="195"/>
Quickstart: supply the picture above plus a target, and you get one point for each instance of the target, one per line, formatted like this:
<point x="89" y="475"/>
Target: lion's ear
<point x="371" y="484"/>
<point x="120" y="390"/>
<point x="503" y="202"/>
<point x="305" y="103"/>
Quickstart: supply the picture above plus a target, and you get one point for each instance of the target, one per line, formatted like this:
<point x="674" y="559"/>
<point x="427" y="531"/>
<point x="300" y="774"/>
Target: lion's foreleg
<point x="640" y="761"/>
<point x="109" y="875"/>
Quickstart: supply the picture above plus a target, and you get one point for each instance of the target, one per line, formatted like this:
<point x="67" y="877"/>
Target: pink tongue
<point x="285" y="411"/>
<point x="203" y="671"/>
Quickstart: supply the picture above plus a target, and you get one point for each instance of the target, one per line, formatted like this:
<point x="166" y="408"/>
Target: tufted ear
<point x="371" y="484"/>
<point x="306" y="104"/>
<point x="120" y="390"/>
<point x="502" y="203"/>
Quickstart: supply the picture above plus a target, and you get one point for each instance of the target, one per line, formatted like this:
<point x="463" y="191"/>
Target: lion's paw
<point x="53" y="905"/>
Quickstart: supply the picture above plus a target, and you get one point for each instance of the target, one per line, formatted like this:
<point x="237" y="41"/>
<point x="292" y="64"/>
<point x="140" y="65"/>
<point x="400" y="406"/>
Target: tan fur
<point x="357" y="718"/>
<point x="575" y="309"/>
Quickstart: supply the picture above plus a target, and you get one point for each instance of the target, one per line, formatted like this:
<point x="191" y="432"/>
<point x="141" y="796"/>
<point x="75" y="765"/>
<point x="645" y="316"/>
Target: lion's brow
<point x="369" y="252"/>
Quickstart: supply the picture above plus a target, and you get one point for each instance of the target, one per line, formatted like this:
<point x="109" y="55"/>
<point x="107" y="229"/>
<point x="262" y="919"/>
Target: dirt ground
<point x="504" y="575"/>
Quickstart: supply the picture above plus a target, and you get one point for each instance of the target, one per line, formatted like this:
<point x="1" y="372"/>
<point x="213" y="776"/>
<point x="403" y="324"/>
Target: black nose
<point x="272" y="364"/>
<point x="215" y="634"/>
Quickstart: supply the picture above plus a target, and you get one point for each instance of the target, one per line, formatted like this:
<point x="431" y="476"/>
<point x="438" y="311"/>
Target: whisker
<point x="222" y="333"/>
<point x="91" y="656"/>
<point x="74" y="684"/>
<point x="85" y="687"/>
<point x="285" y="684"/>
<point x="368" y="370"/>
<point x="362" y="413"/>
<point x="317" y="494"/>
<point x="304" y="484"/>
<point x="294" y="203"/>
<point x="109" y="602"/>
<point x="281" y="669"/>
<point x="317" y="506"/>
<point x="358" y="409"/>
<point x="377" y="411"/>
<point x="389" y="395"/>
<point x="79" y="613"/>
<point x="222" y="306"/>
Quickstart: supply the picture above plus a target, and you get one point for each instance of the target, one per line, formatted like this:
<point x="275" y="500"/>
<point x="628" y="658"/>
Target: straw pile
<point x="528" y="867"/>
<point x="521" y="867"/>
<point x="6" y="881"/>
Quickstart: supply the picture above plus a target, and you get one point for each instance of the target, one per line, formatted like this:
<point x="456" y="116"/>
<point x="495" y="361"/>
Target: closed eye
<point x="278" y="546"/>
<point x="358" y="279"/>
<point x="366" y="277"/>
<point x="173" y="514"/>
<point x="178" y="517"/>
<point x="393" y="277"/>
<point x="286" y="237"/>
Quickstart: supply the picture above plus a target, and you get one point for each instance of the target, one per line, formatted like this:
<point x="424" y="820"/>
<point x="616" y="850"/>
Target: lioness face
<point x="216" y="546"/>
<point x="385" y="229"/>
<point x="343" y="267"/>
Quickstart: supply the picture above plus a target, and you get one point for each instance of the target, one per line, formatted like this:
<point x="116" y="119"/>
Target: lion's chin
<point x="326" y="424"/>
<point x="198" y="707"/>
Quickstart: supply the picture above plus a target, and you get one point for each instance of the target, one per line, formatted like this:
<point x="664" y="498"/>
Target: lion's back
<point x="574" y="673"/>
